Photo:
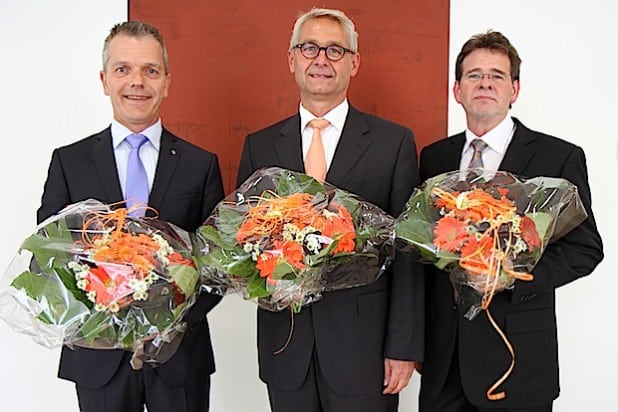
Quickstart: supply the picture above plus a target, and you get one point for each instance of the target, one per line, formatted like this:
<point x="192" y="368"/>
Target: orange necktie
<point x="315" y="160"/>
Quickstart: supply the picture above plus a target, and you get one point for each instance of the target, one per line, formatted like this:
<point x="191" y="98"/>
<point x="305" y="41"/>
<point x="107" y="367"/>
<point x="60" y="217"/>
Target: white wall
<point x="52" y="96"/>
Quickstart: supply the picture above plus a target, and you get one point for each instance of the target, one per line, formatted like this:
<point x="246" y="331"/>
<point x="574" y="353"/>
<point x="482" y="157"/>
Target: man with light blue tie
<point x="137" y="161"/>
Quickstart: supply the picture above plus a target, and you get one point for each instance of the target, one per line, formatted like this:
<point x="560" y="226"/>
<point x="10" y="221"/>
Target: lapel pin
<point x="173" y="152"/>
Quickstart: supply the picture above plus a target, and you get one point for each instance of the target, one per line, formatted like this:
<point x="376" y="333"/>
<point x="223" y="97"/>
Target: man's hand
<point x="397" y="374"/>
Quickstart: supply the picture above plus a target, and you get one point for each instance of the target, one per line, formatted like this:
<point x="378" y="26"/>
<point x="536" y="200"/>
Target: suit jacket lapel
<point x="519" y="152"/>
<point x="105" y="165"/>
<point x="354" y="141"/>
<point x="452" y="157"/>
<point x="169" y="155"/>
<point x="289" y="146"/>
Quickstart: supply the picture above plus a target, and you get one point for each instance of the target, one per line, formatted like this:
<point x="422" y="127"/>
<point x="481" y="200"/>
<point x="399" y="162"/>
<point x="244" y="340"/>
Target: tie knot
<point x="136" y="140"/>
<point x="478" y="145"/>
<point x="319" y="123"/>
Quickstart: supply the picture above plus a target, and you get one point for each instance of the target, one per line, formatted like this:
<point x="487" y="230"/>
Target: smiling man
<point x="180" y="181"/>
<point x="464" y="358"/>
<point x="355" y="349"/>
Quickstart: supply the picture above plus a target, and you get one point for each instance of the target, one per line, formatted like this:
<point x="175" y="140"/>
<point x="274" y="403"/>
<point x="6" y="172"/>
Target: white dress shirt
<point x="148" y="153"/>
<point x="497" y="140"/>
<point x="330" y="134"/>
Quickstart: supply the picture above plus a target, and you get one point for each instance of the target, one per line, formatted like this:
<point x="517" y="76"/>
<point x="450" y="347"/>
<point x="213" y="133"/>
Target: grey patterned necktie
<point x="477" y="158"/>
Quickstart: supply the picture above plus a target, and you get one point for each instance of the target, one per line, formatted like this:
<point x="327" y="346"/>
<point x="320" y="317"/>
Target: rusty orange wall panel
<point x="230" y="74"/>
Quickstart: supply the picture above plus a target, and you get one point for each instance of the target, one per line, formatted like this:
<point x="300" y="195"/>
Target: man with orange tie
<point x="137" y="160"/>
<point x="355" y="349"/>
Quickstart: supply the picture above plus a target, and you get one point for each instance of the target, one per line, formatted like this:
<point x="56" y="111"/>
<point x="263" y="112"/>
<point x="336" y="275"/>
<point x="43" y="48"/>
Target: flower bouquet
<point x="94" y="277"/>
<point x="283" y="238"/>
<point x="487" y="231"/>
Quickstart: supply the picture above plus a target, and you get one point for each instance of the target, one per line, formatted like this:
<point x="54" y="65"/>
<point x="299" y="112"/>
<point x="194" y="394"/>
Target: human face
<point x="486" y="101"/>
<point x="323" y="83"/>
<point x="135" y="80"/>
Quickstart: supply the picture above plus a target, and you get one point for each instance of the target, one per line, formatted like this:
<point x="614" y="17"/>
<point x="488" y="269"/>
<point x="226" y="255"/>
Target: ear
<point x="355" y="64"/>
<point x="168" y="81"/>
<point x="456" y="91"/>
<point x="291" y="61"/>
<point x="515" y="91"/>
<point x="103" y="78"/>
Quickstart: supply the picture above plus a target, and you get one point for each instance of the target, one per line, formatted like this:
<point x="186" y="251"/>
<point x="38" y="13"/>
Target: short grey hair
<point x="336" y="15"/>
<point x="134" y="29"/>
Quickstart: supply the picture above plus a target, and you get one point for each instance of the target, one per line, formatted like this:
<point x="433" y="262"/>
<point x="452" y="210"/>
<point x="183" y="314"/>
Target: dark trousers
<point x="316" y="396"/>
<point x="130" y="390"/>
<point x="453" y="399"/>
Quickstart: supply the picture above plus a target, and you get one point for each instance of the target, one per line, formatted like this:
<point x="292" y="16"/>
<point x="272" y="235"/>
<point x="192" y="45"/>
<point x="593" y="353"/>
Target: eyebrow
<point x="493" y="70"/>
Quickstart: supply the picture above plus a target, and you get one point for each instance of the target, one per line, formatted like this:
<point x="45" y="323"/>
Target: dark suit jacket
<point x="186" y="187"/>
<point x="351" y="330"/>
<point x="527" y="313"/>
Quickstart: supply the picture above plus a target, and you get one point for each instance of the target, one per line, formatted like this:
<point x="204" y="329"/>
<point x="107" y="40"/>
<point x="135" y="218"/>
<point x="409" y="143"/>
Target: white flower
<point x="92" y="296"/>
<point x="82" y="283"/>
<point x="140" y="294"/>
<point x="80" y="271"/>
<point x="99" y="307"/>
<point x="312" y="243"/>
<point x="113" y="307"/>
<point x="520" y="245"/>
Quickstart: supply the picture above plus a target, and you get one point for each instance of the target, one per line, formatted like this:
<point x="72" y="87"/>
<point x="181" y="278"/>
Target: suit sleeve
<point x="405" y="336"/>
<point x="213" y="194"/>
<point x="245" y="167"/>
<point x="577" y="253"/>
<point x="56" y="191"/>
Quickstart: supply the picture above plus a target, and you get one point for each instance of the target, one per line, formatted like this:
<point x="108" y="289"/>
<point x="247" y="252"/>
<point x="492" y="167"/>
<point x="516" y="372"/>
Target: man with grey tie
<point x="137" y="160"/>
<point x="464" y="358"/>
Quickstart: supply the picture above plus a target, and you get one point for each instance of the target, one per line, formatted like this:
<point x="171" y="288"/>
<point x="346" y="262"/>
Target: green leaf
<point x="185" y="278"/>
<point x="99" y="325"/>
<point x="283" y="269"/>
<point x="542" y="221"/>
<point x="256" y="288"/>
<point x="59" y="306"/>
<point x="290" y="183"/>
<point x="234" y="261"/>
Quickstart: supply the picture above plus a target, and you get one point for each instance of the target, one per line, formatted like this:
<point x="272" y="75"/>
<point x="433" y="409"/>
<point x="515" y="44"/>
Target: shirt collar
<point x="153" y="133"/>
<point x="336" y="116"/>
<point x="497" y="138"/>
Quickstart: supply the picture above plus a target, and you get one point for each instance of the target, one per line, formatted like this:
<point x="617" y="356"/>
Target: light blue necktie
<point x="136" y="186"/>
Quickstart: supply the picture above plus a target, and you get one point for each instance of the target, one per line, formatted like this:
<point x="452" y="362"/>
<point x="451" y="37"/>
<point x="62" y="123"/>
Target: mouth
<point x="484" y="98"/>
<point x="320" y="75"/>
<point x="136" y="97"/>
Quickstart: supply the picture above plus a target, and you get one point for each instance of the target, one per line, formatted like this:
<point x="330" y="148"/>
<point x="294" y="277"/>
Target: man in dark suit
<point x="355" y="349"/>
<point x="184" y="186"/>
<point x="464" y="358"/>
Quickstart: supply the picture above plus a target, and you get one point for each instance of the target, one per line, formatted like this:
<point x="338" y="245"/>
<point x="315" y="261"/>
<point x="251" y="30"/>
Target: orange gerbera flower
<point x="292" y="253"/>
<point x="340" y="228"/>
<point x="477" y="256"/>
<point x="449" y="234"/>
<point x="266" y="264"/>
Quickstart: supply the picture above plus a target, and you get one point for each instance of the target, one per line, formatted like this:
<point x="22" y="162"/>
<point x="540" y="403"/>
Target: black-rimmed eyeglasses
<point x="333" y="52"/>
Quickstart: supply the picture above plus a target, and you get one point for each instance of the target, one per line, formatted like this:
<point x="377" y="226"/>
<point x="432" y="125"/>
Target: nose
<point x="321" y="57"/>
<point x="486" y="81"/>
<point x="137" y="78"/>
